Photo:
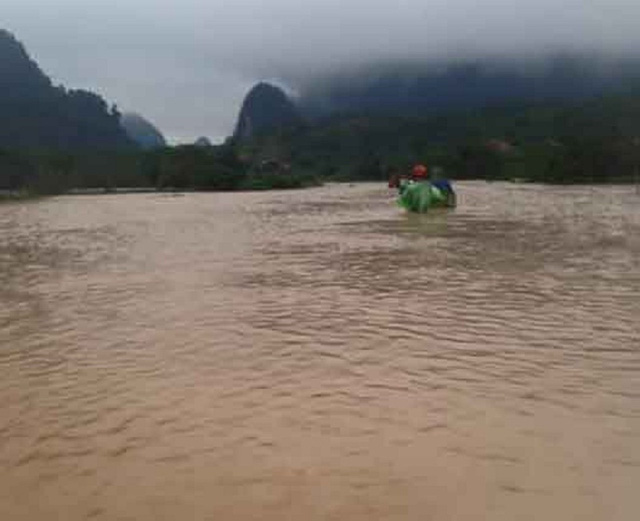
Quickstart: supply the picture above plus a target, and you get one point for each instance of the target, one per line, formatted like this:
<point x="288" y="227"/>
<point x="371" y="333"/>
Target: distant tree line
<point x="186" y="167"/>
<point x="587" y="143"/>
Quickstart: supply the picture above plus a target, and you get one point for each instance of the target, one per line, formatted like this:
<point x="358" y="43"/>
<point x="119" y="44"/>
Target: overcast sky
<point x="186" y="64"/>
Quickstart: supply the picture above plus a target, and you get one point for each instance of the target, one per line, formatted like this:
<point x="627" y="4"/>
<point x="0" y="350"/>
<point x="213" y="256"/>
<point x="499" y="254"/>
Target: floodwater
<point x="321" y="355"/>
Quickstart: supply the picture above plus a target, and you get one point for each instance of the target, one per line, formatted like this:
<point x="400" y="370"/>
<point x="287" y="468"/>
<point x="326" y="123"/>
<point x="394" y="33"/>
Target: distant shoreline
<point x="16" y="195"/>
<point x="25" y="195"/>
<point x="120" y="190"/>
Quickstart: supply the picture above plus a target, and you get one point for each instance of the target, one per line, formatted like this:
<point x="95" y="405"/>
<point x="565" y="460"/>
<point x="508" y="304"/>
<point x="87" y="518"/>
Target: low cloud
<point x="186" y="65"/>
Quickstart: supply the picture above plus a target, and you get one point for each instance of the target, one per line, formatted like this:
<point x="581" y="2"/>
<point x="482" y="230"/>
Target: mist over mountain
<point x="562" y="118"/>
<point x="36" y="114"/>
<point x="412" y="89"/>
<point x="142" y="131"/>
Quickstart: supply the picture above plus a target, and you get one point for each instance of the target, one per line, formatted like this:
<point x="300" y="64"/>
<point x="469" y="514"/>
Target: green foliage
<point x="477" y="161"/>
<point x="194" y="167"/>
<point x="561" y="143"/>
<point x="590" y="142"/>
<point x="187" y="167"/>
<point x="16" y="170"/>
<point x="278" y="181"/>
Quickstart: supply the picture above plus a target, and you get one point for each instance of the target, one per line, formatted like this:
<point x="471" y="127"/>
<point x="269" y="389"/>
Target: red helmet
<point x="419" y="171"/>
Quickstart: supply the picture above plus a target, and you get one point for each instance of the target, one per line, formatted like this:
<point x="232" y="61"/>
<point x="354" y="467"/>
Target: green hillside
<point x="591" y="141"/>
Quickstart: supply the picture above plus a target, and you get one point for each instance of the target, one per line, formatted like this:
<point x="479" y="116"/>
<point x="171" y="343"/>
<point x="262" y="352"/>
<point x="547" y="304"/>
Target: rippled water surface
<point x="321" y="355"/>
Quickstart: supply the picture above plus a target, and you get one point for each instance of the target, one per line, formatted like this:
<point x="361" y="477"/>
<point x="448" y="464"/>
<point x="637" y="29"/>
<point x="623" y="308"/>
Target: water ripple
<point x="319" y="354"/>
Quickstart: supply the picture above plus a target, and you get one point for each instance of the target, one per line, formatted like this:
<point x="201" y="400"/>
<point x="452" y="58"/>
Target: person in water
<point x="420" y="173"/>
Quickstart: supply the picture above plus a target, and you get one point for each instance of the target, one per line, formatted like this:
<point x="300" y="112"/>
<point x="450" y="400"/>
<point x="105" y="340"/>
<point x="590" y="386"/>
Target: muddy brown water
<point x="321" y="355"/>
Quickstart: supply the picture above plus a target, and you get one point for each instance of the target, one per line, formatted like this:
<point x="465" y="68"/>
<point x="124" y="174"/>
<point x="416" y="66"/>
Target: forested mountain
<point x="142" y="131"/>
<point x="35" y="114"/>
<point x="562" y="119"/>
<point x="596" y="140"/>
<point x="265" y="108"/>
